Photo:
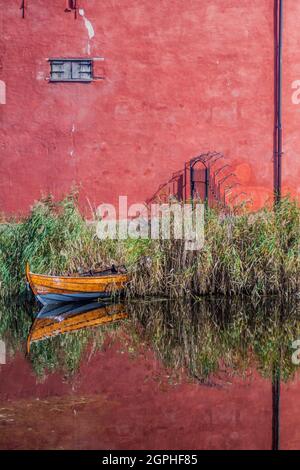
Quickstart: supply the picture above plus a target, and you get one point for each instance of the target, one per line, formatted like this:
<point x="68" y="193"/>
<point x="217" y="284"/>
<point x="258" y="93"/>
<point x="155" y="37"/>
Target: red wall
<point x="181" y="78"/>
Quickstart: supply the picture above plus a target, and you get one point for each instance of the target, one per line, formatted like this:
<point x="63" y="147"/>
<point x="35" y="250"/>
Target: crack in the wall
<point x="72" y="151"/>
<point x="2" y="92"/>
<point x="90" y="30"/>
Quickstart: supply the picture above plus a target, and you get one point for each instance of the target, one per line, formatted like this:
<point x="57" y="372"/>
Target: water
<point x="150" y="375"/>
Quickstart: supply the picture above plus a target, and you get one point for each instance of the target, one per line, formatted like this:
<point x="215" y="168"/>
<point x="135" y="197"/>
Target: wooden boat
<point x="57" y="319"/>
<point x="89" y="286"/>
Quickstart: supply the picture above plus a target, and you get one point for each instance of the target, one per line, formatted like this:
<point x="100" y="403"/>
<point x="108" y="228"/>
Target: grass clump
<point x="54" y="239"/>
<point x="255" y="254"/>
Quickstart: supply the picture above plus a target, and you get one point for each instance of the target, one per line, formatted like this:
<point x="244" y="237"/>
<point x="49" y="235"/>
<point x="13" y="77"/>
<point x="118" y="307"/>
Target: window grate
<point x="71" y="70"/>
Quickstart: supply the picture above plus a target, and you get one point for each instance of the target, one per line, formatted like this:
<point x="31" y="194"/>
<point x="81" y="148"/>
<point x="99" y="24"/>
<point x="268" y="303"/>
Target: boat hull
<point x="54" y="289"/>
<point x="51" y="298"/>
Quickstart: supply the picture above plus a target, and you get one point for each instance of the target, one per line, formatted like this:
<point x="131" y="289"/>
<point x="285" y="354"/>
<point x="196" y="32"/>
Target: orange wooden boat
<point x="53" y="289"/>
<point x="57" y="319"/>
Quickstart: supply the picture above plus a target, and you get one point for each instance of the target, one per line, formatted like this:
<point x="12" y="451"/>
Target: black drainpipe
<point x="278" y="31"/>
<point x="276" y="407"/>
<point x="22" y="8"/>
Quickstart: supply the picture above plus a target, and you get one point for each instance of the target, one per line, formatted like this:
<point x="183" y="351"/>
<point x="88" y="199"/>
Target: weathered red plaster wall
<point x="181" y="77"/>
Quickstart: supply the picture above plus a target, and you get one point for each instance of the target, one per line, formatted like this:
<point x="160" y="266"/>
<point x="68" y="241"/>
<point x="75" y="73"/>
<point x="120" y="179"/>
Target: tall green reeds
<point x="54" y="239"/>
<point x="254" y="253"/>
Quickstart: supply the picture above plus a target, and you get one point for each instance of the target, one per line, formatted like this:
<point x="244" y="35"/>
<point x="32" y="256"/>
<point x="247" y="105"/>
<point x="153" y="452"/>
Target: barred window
<point x="71" y="70"/>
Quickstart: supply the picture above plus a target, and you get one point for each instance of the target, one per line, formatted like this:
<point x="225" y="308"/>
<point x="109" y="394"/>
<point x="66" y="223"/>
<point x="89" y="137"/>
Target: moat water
<point x="155" y="374"/>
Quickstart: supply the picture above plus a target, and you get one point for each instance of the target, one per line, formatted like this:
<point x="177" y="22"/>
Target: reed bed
<point x="255" y="254"/>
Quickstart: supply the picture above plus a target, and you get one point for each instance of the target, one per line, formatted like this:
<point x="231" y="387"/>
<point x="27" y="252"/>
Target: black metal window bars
<point x="71" y="70"/>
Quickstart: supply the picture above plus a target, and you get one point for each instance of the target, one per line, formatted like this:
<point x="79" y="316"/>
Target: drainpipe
<point x="276" y="407"/>
<point x="278" y="31"/>
<point x="22" y="8"/>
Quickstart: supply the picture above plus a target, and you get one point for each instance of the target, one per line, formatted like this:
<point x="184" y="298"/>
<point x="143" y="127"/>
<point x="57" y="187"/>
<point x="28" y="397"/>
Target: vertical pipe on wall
<point x="276" y="407"/>
<point x="278" y="33"/>
<point x="23" y="8"/>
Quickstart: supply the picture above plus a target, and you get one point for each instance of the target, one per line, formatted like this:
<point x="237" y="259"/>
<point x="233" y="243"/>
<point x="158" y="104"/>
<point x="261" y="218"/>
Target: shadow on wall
<point x="206" y="178"/>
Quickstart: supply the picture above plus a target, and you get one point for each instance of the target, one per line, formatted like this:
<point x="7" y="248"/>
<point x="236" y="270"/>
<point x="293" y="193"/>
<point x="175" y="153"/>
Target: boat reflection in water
<point x="57" y="319"/>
